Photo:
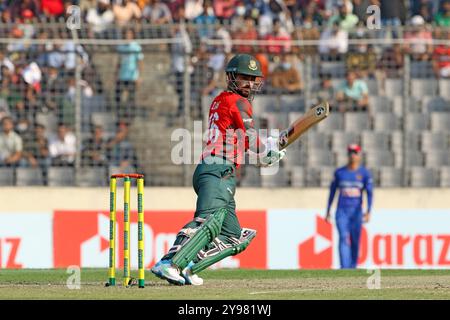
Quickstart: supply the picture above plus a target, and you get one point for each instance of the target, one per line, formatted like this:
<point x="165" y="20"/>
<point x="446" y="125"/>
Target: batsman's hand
<point x="366" y="217"/>
<point x="273" y="155"/>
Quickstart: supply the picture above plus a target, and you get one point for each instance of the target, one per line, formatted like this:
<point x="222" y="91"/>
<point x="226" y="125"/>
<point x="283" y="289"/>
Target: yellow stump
<point x="112" y="232"/>
<point x="140" y="189"/>
<point x="126" y="232"/>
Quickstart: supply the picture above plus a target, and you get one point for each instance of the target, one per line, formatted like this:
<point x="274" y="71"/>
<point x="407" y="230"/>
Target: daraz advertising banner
<point x="286" y="239"/>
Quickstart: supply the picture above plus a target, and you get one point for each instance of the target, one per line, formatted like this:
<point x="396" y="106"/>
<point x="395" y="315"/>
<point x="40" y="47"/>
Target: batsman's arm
<point x="267" y="152"/>
<point x="244" y="119"/>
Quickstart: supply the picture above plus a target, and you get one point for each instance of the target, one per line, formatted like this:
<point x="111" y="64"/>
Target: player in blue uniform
<point x="351" y="180"/>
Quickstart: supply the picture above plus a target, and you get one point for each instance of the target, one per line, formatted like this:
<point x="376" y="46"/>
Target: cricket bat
<point x="306" y="121"/>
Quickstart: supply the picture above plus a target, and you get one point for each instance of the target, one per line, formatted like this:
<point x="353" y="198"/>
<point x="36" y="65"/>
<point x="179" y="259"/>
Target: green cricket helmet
<point x="244" y="64"/>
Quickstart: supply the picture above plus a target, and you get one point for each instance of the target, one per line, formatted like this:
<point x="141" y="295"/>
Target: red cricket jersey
<point x="231" y="130"/>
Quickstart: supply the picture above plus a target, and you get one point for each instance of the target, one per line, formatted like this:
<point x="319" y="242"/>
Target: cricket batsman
<point x="351" y="180"/>
<point x="215" y="232"/>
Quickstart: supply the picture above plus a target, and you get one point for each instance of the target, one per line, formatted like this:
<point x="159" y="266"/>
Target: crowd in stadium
<point x="306" y="13"/>
<point x="41" y="78"/>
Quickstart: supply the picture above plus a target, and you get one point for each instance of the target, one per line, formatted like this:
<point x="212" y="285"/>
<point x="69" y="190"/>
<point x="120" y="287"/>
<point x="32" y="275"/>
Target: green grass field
<point x="233" y="284"/>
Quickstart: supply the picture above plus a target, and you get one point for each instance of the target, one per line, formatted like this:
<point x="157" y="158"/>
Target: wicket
<point x="127" y="280"/>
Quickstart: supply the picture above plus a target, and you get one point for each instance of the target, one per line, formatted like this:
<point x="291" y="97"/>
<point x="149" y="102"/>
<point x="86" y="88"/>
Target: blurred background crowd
<point x="310" y="50"/>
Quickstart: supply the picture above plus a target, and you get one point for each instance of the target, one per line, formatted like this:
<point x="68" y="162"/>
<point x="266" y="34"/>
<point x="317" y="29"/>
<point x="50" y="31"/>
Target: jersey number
<point x="213" y="133"/>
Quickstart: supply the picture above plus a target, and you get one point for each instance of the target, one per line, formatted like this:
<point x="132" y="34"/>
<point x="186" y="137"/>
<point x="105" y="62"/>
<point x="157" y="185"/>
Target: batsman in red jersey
<point x="215" y="232"/>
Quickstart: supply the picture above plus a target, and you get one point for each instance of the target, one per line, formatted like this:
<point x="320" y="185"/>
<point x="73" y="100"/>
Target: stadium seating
<point x="6" y="176"/>
<point x="60" y="176"/>
<point x="29" y="177"/>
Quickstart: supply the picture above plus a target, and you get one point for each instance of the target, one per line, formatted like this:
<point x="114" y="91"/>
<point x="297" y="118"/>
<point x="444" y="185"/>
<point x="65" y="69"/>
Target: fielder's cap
<point x="354" y="148"/>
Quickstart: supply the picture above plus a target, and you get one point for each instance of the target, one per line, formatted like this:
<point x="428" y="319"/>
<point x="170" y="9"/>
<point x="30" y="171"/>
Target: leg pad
<point x="221" y="250"/>
<point x="209" y="229"/>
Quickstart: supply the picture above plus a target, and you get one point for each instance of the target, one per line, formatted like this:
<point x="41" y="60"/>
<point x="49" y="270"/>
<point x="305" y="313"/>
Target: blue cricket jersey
<point x="351" y="184"/>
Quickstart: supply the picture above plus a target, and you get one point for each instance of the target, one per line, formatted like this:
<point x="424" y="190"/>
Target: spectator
<point x="362" y="59"/>
<point x="52" y="8"/>
<point x="25" y="8"/>
<point x="120" y="150"/>
<point x="324" y="91"/>
<point x="56" y="57"/>
<point x="5" y="81"/>
<point x="294" y="9"/>
<point x="263" y="61"/>
<point x="4" y="109"/>
<point x="425" y="13"/>
<point x="95" y="149"/>
<point x="255" y="9"/>
<point x="333" y="41"/>
<point x="100" y="18"/>
<point x="216" y="64"/>
<point x="32" y="77"/>
<point x="391" y="12"/>
<point x="40" y="52"/>
<point x="419" y="41"/>
<point x="390" y="65"/>
<point x="126" y="12"/>
<point x="392" y="61"/>
<point x="53" y="87"/>
<point x="74" y="54"/>
<point x="18" y="46"/>
<point x="157" y="12"/>
<point x="22" y="116"/>
<point x="415" y="7"/>
<point x="206" y="21"/>
<point x="442" y="18"/>
<point x="193" y="8"/>
<point x="345" y="18"/>
<point x="62" y="147"/>
<point x="441" y="59"/>
<point x="312" y="16"/>
<point x="6" y="63"/>
<point x="279" y="34"/>
<point x="179" y="14"/>
<point x="86" y="89"/>
<point x="286" y="78"/>
<point x="246" y="31"/>
<point x="178" y="51"/>
<point x="25" y="23"/>
<point x="174" y="5"/>
<point x="223" y="34"/>
<point x="353" y="94"/>
<point x="36" y="149"/>
<point x="10" y="144"/>
<point x="128" y="73"/>
<point x="360" y="9"/>
<point x="224" y="9"/>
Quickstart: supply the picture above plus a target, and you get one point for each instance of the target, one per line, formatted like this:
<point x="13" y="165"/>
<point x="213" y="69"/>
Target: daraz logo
<point x="317" y="251"/>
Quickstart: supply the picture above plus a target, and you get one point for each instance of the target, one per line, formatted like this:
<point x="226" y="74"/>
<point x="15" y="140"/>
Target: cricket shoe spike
<point x="191" y="278"/>
<point x="164" y="269"/>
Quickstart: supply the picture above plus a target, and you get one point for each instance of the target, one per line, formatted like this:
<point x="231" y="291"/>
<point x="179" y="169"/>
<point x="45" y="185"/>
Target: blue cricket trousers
<point x="349" y="223"/>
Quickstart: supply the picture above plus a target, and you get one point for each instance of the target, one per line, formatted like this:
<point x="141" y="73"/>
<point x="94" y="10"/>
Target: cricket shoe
<point x="191" y="278"/>
<point x="164" y="269"/>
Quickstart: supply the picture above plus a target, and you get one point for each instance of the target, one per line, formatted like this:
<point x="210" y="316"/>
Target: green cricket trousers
<point x="215" y="186"/>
